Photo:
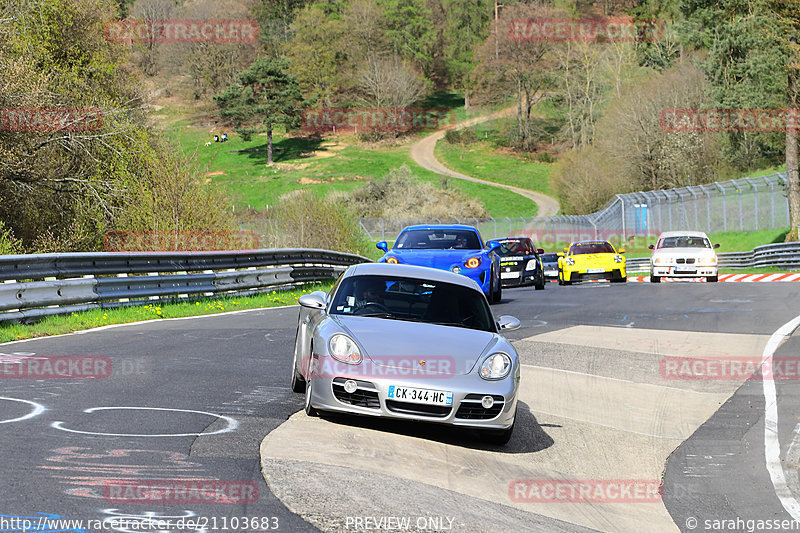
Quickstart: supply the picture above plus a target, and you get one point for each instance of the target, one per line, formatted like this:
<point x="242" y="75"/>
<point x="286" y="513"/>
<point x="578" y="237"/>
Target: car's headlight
<point x="660" y="260"/>
<point x="570" y="261"/>
<point x="473" y="262"/>
<point x="707" y="261"/>
<point x="531" y="265"/>
<point x="618" y="259"/>
<point x="496" y="366"/>
<point x="344" y="349"/>
<point x="392" y="260"/>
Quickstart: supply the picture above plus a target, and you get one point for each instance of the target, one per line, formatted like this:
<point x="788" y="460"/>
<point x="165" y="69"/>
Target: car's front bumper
<point x="673" y="272"/>
<point x="584" y="274"/>
<point x="520" y="278"/>
<point x="371" y="397"/>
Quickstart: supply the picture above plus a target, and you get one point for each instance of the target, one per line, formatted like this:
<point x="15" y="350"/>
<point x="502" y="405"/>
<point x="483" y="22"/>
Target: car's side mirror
<point x="622" y="250"/>
<point x="652" y="246"/>
<point x="314" y="300"/>
<point x="381" y="245"/>
<point x="493" y="246"/>
<point x="507" y="322"/>
<point x="540" y="250"/>
<point x="716" y="246"/>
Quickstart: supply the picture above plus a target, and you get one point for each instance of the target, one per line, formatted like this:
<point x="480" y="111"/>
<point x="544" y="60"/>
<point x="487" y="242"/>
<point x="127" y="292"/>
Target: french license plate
<point x="509" y="275"/>
<point x="595" y="270"/>
<point x="426" y="396"/>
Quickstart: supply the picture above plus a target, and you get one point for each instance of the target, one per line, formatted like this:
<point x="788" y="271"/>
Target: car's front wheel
<point x="712" y="279"/>
<point x="498" y="437"/>
<point x="655" y="279"/>
<point x="539" y="286"/>
<point x="298" y="383"/>
<point x="310" y="411"/>
<point x="495" y="289"/>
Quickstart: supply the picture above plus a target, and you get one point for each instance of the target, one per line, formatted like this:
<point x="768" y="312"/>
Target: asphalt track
<point x="202" y="395"/>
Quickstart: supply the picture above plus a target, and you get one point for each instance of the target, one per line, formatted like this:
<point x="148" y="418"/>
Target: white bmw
<point x="683" y="254"/>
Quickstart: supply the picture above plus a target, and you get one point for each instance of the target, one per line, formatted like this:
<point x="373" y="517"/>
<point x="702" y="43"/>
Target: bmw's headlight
<point x="496" y="366"/>
<point x="707" y="261"/>
<point x="570" y="261"/>
<point x="531" y="264"/>
<point x="618" y="259"/>
<point x="344" y="349"/>
<point x="660" y="260"/>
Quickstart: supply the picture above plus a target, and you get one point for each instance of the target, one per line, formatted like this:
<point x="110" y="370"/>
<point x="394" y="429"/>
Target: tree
<point x="410" y="31"/>
<point x="390" y="83"/>
<point x="466" y="25"/>
<point x="267" y="94"/>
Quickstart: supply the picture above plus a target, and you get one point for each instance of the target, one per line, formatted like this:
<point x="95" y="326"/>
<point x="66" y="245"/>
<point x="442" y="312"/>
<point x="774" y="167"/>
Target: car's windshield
<point x="411" y="299"/>
<point x="438" y="239"/>
<point x="591" y="248"/>
<point x="684" y="241"/>
<point x="549" y="258"/>
<point x="514" y="246"/>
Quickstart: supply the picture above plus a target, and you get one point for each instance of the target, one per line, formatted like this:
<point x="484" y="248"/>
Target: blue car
<point x="455" y="248"/>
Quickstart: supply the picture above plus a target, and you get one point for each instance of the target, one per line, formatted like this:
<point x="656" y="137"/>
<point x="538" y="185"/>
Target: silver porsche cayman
<point x="407" y="342"/>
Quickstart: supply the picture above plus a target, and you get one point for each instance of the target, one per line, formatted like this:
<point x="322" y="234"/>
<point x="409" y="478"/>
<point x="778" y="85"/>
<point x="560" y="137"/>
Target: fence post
<point x="623" y="215"/>
<point x="724" y="212"/>
<point x="694" y="201"/>
<point x="741" y="215"/>
<point x="771" y="204"/>
<point x="755" y="200"/>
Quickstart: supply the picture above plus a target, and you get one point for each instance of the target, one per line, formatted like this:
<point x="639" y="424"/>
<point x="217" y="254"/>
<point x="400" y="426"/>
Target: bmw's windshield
<point x="437" y="239"/>
<point x="684" y="242"/>
<point x="416" y="300"/>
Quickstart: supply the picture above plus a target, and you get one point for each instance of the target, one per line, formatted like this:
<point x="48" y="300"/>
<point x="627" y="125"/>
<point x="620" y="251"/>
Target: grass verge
<point x="58" y="325"/>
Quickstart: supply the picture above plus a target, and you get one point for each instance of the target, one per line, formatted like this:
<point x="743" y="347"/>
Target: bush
<point x="8" y="244"/>
<point x="301" y="219"/>
<point x="400" y="195"/>
<point x="462" y="136"/>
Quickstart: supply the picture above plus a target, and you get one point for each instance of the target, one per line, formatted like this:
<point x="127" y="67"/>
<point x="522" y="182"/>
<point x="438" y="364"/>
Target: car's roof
<point x="411" y="271"/>
<point x="506" y="239"/>
<point x="682" y="234"/>
<point x="590" y="242"/>
<point x="441" y="227"/>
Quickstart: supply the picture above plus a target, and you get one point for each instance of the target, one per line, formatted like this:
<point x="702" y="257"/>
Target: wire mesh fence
<point x="744" y="205"/>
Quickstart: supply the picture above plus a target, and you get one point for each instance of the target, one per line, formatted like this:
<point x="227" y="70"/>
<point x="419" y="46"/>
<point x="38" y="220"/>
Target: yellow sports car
<point x="591" y="260"/>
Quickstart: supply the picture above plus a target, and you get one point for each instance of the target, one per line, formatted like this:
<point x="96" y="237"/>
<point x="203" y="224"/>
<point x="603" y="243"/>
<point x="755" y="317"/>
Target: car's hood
<point x="434" y="258"/>
<point x="684" y="252"/>
<point x="400" y="343"/>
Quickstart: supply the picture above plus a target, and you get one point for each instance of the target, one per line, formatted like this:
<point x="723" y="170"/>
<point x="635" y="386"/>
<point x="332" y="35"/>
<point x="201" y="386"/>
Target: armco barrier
<point x="49" y="284"/>
<point x="783" y="255"/>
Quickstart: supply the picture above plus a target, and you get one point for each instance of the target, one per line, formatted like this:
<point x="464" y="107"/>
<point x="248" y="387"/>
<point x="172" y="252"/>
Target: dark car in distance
<point x="550" y="265"/>
<point x="520" y="264"/>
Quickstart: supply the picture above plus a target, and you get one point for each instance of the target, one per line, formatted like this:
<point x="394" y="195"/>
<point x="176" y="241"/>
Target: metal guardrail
<point x="49" y="284"/>
<point x="782" y="255"/>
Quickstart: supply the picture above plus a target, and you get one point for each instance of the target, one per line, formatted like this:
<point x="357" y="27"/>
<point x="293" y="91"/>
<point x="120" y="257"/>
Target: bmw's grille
<point x="688" y="261"/>
<point x="471" y="408"/>
<point x="364" y="396"/>
<point x="418" y="409"/>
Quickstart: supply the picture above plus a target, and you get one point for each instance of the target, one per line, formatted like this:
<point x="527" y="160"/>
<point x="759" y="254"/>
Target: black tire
<point x="655" y="279"/>
<point x="498" y="437"/>
<point x="712" y="279"/>
<point x="495" y="295"/>
<point x="298" y="383"/>
<point x="540" y="285"/>
<point x="310" y="411"/>
<point x="619" y="280"/>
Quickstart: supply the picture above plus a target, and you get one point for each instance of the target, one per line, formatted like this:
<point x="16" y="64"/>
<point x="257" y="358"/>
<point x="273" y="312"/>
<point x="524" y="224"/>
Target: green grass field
<point x="337" y="164"/>
<point x="57" y="325"/>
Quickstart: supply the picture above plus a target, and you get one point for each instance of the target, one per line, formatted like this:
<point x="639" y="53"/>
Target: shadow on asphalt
<point x="528" y="436"/>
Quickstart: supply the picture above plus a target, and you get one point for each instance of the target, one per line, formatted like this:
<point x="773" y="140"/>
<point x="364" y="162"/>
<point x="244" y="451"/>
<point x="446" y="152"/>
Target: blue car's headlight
<point x="496" y="366"/>
<point x="473" y="262"/>
<point x="344" y="349"/>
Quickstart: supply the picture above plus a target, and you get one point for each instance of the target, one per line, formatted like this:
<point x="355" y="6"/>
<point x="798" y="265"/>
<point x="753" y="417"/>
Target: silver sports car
<point x="407" y="342"/>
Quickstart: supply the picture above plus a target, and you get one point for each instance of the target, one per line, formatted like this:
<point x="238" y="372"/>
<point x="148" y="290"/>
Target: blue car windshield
<point x="415" y="300"/>
<point x="438" y="239"/>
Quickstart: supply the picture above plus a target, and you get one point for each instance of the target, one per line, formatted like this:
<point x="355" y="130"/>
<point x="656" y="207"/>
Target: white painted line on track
<point x="772" y="445"/>
<point x="37" y="410"/>
<point x="232" y="423"/>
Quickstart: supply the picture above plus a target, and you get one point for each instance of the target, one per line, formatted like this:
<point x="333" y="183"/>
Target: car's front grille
<point x="364" y="396"/>
<point x="471" y="408"/>
<point x="419" y="409"/>
<point x="681" y="261"/>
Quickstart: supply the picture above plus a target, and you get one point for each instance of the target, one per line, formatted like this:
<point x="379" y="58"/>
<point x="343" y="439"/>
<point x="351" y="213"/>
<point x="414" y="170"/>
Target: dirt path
<point x="422" y="153"/>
